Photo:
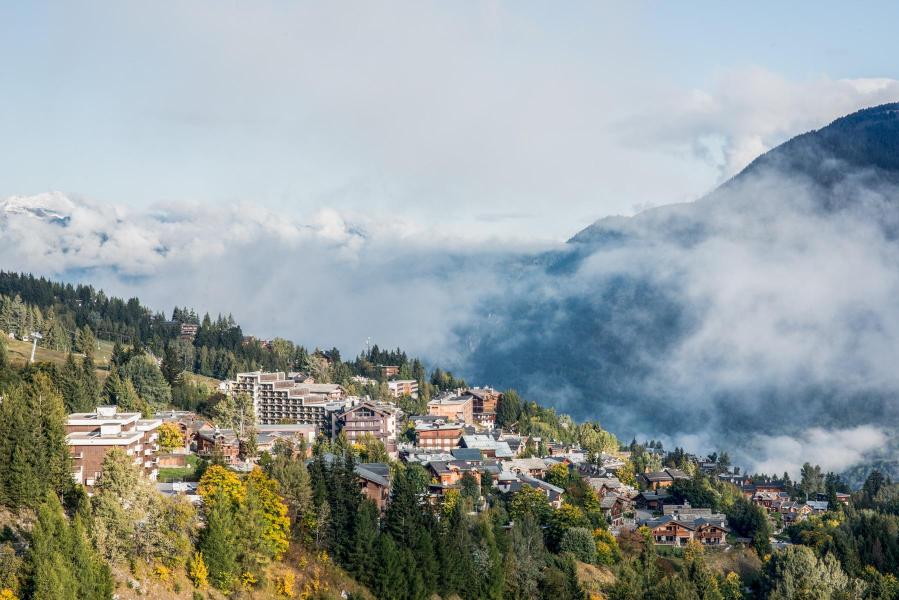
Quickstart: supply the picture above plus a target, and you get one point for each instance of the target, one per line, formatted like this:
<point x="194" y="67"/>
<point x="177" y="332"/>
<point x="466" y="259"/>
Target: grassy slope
<point x="20" y="353"/>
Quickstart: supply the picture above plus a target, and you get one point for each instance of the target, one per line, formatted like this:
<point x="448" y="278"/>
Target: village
<point x="456" y="440"/>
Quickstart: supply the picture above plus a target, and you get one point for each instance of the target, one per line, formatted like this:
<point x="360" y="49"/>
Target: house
<point x="368" y="418"/>
<point x="670" y="530"/>
<point x="613" y="508"/>
<point x="453" y="408"/>
<point x="188" y="422"/>
<point x="534" y="467"/>
<point x="604" y="486"/>
<point x="487" y="445"/>
<point x="374" y="483"/>
<point x="818" y="506"/>
<point x="450" y="473"/>
<point x="296" y="435"/>
<point x="472" y="456"/>
<point x="656" y="479"/>
<point x="90" y="436"/>
<point x="188" y="331"/>
<point x="188" y="489"/>
<point x="279" y="399"/>
<point x="662" y="479"/>
<point x="222" y="442"/>
<point x="439" y="435"/>
<point x="553" y="493"/>
<point x="650" y="500"/>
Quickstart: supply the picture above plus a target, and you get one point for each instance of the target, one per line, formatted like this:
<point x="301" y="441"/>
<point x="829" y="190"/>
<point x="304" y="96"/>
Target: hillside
<point x="20" y="353"/>
<point x="764" y="308"/>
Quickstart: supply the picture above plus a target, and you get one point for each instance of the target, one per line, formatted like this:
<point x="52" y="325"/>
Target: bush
<point x="579" y="541"/>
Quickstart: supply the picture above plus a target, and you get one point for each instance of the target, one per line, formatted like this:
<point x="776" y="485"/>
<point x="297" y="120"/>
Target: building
<point x="188" y="422"/>
<point x="388" y="371"/>
<point x="453" y="408"/>
<point x="439" y="435"/>
<point x="297" y="435"/>
<point x="222" y="442"/>
<point x="279" y="399"/>
<point x="368" y="418"/>
<point x="91" y="435"/>
<point x="484" y="404"/>
<point x="661" y="479"/>
<point x="671" y="530"/>
<point x="489" y="446"/>
<point x="403" y="387"/>
<point x="374" y="483"/>
<point x="188" y="331"/>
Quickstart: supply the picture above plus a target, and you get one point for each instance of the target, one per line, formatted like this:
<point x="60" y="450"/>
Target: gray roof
<point x="378" y="473"/>
<point x="469" y="454"/>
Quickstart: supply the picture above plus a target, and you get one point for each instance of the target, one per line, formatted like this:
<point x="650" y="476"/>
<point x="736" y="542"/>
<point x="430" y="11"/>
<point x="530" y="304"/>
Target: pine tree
<point x="219" y="543"/>
<point x="389" y="578"/>
<point x="89" y="570"/>
<point x="49" y="557"/>
<point x="171" y="366"/>
<point x="361" y="559"/>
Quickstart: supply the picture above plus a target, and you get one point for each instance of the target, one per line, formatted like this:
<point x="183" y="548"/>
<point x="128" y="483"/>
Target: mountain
<point x="762" y="315"/>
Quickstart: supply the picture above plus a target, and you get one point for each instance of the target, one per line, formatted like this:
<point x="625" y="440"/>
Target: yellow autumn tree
<point x="198" y="572"/>
<point x="219" y="482"/>
<point x="170" y="437"/>
<point x="264" y="505"/>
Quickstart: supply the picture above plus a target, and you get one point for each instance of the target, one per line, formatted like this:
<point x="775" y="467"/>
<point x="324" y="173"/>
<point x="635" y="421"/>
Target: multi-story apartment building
<point x="378" y="420"/>
<point x="278" y="399"/>
<point x="91" y="435"/>
<point x="388" y="371"/>
<point x="484" y="404"/>
<point x="403" y="387"/>
<point x="439" y="435"/>
<point x="453" y="408"/>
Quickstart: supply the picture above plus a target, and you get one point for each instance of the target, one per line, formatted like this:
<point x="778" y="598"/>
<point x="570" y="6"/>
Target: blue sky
<point x="510" y="120"/>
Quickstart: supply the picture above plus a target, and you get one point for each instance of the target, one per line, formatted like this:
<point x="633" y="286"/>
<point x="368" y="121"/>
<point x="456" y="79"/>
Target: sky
<point x="522" y="122"/>
<point x="340" y="172"/>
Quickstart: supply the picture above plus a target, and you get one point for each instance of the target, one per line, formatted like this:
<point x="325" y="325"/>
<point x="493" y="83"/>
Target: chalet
<point x="650" y="500"/>
<point x="670" y="530"/>
<point x="534" y="467"/>
<point x="656" y="479"/>
<point x="374" y="483"/>
<point x="553" y="493"/>
<point x="613" y="509"/>
<point x="451" y="473"/>
<point x="223" y="442"/>
<point x="487" y="445"/>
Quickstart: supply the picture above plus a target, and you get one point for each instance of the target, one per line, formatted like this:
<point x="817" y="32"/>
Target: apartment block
<point x="403" y="387"/>
<point x="453" y="408"/>
<point x="438" y="435"/>
<point x="368" y="418"/>
<point x="91" y="435"/>
<point x="279" y="399"/>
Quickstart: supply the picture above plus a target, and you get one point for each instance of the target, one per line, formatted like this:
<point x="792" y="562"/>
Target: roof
<point x="818" y="504"/>
<point x="657" y="476"/>
<point x="377" y="473"/>
<point x="677" y="474"/>
<point x="527" y="464"/>
<point x="469" y="454"/>
<point x="534" y="482"/>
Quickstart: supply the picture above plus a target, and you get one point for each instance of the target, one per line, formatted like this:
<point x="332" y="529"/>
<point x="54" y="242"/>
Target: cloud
<point x="746" y="112"/>
<point x="833" y="449"/>
<point x="329" y="278"/>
